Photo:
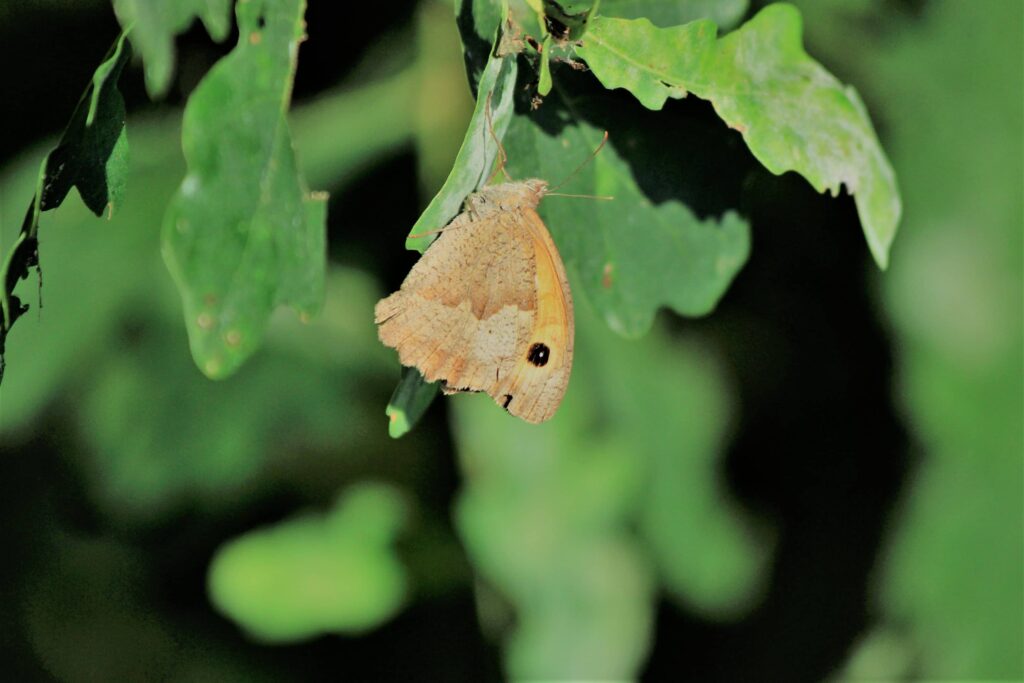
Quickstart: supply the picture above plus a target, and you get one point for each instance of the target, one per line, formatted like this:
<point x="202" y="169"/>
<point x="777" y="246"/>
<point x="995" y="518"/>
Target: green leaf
<point x="477" y="18"/>
<point x="477" y="21"/>
<point x="243" y="235"/>
<point x="544" y="84"/>
<point x="725" y="13"/>
<point x="646" y="248"/>
<point x="412" y="397"/>
<point x="475" y="161"/>
<point x="92" y="155"/>
<point x="336" y="573"/>
<point x="792" y="113"/>
<point x="630" y="255"/>
<point x="205" y="444"/>
<point x="341" y="138"/>
<point x="154" y="23"/>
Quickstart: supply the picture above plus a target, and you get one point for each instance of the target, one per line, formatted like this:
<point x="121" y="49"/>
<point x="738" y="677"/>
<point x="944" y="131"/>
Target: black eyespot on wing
<point x="508" y="399"/>
<point x="538" y="355"/>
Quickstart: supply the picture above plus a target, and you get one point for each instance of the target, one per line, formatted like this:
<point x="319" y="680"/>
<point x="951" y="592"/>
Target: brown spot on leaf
<point x="606" y="276"/>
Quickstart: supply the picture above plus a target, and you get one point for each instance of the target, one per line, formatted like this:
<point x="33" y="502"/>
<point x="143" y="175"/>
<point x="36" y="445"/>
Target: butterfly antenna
<point x="584" y="164"/>
<point x="502" y="156"/>
<point x="579" y="196"/>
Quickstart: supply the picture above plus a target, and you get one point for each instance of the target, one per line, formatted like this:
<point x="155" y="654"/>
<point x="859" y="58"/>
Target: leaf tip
<point x="398" y="424"/>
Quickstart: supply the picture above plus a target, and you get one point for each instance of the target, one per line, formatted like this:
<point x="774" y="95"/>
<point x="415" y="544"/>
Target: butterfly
<point x="488" y="306"/>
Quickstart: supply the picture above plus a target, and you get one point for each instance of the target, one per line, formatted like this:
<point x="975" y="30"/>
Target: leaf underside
<point x="243" y="235"/>
<point x="92" y="156"/>
<point x="793" y="114"/>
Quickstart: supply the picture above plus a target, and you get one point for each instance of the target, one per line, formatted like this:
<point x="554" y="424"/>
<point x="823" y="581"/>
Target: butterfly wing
<point x="540" y="376"/>
<point x="463" y="305"/>
<point x="487" y="308"/>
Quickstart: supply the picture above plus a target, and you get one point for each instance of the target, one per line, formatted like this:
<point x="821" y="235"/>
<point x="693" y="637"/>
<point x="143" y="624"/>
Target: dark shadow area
<point x="368" y="220"/>
<point x="337" y="38"/>
<point x="476" y="50"/>
<point x="683" y="152"/>
<point x="818" y="448"/>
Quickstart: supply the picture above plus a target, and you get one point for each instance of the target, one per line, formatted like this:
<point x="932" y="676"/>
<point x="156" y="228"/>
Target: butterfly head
<point x="508" y="196"/>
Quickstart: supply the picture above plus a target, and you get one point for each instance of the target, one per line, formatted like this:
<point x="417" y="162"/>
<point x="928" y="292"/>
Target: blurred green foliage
<point x="155" y="23"/>
<point x="577" y="521"/>
<point x="309" y="575"/>
<point x="951" y="582"/>
<point x="578" y="534"/>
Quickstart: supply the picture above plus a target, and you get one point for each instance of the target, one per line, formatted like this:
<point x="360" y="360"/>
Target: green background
<point x="821" y="479"/>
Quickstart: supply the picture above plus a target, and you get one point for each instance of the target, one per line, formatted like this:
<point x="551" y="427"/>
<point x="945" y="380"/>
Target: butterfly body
<point x="488" y="307"/>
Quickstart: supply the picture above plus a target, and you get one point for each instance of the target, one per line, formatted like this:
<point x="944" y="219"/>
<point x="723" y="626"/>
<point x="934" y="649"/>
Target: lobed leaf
<point x="725" y="13"/>
<point x="629" y="256"/>
<point x="243" y="235"/>
<point x="792" y="113"/>
<point x="154" y="23"/>
<point x="642" y="249"/>
<point x="646" y="248"/>
<point x="339" y="135"/>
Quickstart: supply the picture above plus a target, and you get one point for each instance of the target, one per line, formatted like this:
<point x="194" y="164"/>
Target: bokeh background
<point x="823" y="479"/>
